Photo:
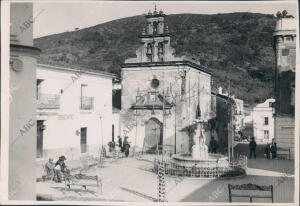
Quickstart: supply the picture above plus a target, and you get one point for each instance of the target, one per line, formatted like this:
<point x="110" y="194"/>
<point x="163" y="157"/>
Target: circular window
<point x="154" y="83"/>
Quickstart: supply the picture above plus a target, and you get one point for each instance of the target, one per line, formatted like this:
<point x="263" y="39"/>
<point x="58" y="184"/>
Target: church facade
<point x="163" y="96"/>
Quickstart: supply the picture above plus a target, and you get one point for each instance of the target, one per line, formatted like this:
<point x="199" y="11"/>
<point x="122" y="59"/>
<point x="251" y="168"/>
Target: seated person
<point x="61" y="168"/>
<point x="49" y="167"/>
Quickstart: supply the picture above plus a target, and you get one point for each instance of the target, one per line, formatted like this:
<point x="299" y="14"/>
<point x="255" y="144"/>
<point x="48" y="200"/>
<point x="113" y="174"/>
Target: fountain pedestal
<point x="199" y="149"/>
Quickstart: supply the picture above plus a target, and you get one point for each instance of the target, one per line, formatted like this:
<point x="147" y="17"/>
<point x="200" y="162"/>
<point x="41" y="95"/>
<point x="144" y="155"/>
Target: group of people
<point x="57" y="170"/>
<point x="270" y="150"/>
<point x="123" y="145"/>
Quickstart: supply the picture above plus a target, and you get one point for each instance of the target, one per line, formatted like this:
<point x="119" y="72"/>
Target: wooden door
<point x="40" y="137"/>
<point x="153" y="136"/>
<point x="83" y="139"/>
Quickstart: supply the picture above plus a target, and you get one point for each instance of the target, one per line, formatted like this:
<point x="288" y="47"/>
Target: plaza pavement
<point x="129" y="179"/>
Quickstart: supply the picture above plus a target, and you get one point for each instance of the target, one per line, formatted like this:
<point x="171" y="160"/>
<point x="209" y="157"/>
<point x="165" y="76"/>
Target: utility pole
<point x="231" y="152"/>
<point x="102" y="146"/>
<point x="175" y="113"/>
<point x="161" y="164"/>
<point x="136" y="124"/>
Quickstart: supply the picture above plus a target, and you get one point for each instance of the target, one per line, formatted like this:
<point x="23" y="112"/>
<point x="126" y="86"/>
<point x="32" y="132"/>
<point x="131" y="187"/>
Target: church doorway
<point x="153" y="136"/>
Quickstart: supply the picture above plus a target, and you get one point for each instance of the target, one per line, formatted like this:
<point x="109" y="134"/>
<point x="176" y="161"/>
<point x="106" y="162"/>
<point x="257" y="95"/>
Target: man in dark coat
<point x="120" y="142"/>
<point x="213" y="145"/>
<point x="274" y="149"/>
<point x="252" y="147"/>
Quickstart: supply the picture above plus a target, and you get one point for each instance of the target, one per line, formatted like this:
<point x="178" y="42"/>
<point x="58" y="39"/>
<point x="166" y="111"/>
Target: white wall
<point x="62" y="124"/>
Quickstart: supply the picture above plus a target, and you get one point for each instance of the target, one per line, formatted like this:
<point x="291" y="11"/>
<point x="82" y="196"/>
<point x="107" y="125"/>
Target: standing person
<point x="268" y="150"/>
<point x="252" y="147"/>
<point x="274" y="149"/>
<point x="126" y="146"/>
<point x="120" y="143"/>
<point x="213" y="145"/>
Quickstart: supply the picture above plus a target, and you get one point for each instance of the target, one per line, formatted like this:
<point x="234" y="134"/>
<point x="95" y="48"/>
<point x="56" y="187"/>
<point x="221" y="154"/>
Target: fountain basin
<point x="213" y="160"/>
<point x="215" y="166"/>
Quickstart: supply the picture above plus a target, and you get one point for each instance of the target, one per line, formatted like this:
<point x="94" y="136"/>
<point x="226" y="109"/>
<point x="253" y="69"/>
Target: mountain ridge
<point x="236" y="47"/>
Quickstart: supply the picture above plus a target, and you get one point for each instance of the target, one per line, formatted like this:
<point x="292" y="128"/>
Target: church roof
<point x="166" y="63"/>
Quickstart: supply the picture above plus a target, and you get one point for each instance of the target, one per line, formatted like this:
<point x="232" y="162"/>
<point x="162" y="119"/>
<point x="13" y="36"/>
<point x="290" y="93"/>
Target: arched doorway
<point x="153" y="136"/>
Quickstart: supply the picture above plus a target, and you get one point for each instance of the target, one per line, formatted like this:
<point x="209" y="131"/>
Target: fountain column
<point x="199" y="149"/>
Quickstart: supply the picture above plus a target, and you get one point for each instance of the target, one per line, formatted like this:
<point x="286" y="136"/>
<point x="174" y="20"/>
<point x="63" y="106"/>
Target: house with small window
<point x="263" y="121"/>
<point x="74" y="111"/>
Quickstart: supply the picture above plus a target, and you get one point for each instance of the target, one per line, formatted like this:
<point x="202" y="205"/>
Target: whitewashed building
<point x="263" y="121"/>
<point x="74" y="111"/>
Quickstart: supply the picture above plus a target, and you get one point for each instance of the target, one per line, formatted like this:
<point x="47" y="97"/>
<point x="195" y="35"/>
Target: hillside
<point x="236" y="47"/>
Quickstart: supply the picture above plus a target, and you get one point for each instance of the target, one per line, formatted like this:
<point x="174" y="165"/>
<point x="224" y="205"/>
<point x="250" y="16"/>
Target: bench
<point x="284" y="153"/>
<point x="83" y="181"/>
<point x="252" y="187"/>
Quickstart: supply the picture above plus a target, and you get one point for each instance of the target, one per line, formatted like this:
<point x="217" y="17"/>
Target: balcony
<point x="48" y="101"/>
<point x="86" y="103"/>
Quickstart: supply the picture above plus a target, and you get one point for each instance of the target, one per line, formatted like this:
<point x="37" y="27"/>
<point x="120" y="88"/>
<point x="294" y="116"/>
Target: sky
<point x="52" y="18"/>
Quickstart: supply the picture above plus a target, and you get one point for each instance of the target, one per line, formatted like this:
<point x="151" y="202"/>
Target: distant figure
<point x="268" y="150"/>
<point x="111" y="146"/>
<point x="126" y="146"/>
<point x="252" y="147"/>
<point x="274" y="149"/>
<point x="120" y="143"/>
<point x="61" y="168"/>
<point x="49" y="167"/>
<point x="213" y="145"/>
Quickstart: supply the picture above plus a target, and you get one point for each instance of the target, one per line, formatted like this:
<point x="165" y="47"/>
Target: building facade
<point x="22" y="119"/>
<point x="263" y="121"/>
<point x="285" y="51"/>
<point x="162" y="95"/>
<point x="222" y="124"/>
<point x="74" y="111"/>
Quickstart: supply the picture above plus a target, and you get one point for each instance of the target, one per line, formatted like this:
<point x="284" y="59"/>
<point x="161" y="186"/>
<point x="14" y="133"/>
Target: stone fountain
<point x="200" y="163"/>
<point x="200" y="155"/>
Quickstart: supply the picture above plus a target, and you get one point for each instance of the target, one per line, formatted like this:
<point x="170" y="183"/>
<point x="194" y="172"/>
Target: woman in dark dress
<point x="126" y="146"/>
